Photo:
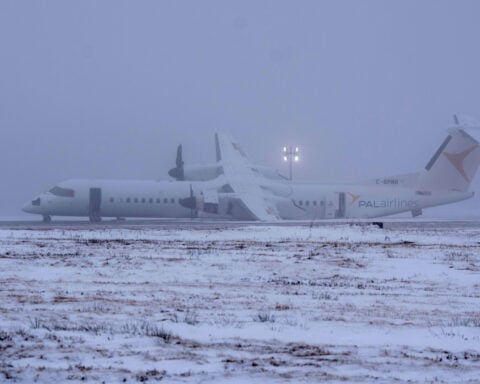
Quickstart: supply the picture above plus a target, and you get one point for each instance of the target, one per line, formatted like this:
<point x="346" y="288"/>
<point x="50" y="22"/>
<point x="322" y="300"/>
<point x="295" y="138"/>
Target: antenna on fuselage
<point x="455" y="120"/>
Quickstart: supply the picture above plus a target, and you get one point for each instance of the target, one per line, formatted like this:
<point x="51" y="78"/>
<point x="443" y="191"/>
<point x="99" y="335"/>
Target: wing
<point x="244" y="181"/>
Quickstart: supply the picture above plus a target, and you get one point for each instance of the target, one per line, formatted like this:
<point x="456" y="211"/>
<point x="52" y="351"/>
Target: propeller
<point x="190" y="202"/>
<point x="193" y="209"/>
<point x="178" y="172"/>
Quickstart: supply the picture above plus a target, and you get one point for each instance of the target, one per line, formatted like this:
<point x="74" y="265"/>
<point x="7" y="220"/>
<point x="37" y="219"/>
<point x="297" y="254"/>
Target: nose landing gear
<point x="47" y="218"/>
<point x="94" y="217"/>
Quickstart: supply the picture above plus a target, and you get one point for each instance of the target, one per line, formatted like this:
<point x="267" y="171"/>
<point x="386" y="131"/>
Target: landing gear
<point x="47" y="218"/>
<point x="94" y="218"/>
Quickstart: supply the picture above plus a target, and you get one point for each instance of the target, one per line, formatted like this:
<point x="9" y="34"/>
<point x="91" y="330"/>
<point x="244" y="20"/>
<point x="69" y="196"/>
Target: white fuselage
<point x="301" y="201"/>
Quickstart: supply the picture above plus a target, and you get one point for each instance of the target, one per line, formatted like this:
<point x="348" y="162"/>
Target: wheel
<point x="95" y="218"/>
<point x="47" y="218"/>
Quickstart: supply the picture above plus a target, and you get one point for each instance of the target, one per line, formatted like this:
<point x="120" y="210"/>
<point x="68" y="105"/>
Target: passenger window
<point x="158" y="201"/>
<point x="172" y="201"/>
<point x="143" y="200"/>
<point x="300" y="202"/>
<point x="315" y="203"/>
<point x="307" y="203"/>
<point x="111" y="200"/>
<point x="128" y="200"/>
<point x="165" y="200"/>
<point x="135" y="200"/>
<point x="150" y="200"/>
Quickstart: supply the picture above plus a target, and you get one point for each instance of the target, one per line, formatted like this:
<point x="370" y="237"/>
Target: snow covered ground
<point x="266" y="304"/>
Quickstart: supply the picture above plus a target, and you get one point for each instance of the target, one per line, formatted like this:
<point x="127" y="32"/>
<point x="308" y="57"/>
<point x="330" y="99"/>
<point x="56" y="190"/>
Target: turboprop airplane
<point x="242" y="192"/>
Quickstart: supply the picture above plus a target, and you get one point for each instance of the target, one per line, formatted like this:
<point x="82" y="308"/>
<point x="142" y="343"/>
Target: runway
<point x="201" y="224"/>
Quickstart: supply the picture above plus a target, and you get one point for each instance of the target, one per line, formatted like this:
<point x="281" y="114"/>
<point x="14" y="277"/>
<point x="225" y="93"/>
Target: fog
<point x="109" y="89"/>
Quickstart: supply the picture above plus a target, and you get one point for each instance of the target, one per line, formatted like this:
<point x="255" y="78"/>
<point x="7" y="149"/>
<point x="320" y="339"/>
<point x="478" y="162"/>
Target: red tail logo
<point x="457" y="160"/>
<point x="354" y="197"/>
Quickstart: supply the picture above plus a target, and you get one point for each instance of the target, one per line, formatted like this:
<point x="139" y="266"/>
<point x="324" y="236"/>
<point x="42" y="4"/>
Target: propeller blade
<point x="178" y="172"/>
<point x="179" y="159"/>
<point x="190" y="202"/>
<point x="193" y="210"/>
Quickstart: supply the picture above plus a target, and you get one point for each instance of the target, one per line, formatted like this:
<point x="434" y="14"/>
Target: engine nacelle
<point x="212" y="204"/>
<point x="201" y="172"/>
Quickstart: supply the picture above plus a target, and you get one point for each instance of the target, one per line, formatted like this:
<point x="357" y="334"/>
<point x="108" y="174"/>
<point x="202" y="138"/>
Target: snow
<point x="271" y="303"/>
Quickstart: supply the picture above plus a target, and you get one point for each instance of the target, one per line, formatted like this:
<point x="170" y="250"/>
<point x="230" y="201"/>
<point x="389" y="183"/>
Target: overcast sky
<point x="107" y="89"/>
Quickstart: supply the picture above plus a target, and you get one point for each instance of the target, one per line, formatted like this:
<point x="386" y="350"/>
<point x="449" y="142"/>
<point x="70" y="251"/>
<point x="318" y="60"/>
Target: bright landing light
<point x="291" y="154"/>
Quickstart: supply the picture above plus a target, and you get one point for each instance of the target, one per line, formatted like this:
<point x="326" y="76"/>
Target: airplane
<point x="237" y="190"/>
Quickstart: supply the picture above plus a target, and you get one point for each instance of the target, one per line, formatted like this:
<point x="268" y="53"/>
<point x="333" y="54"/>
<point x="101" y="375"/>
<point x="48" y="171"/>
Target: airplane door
<point x="341" y="205"/>
<point x="95" y="202"/>
<point x="335" y="205"/>
<point x="330" y="206"/>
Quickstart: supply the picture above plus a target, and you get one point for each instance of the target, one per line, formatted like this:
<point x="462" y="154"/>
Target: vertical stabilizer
<point x="454" y="165"/>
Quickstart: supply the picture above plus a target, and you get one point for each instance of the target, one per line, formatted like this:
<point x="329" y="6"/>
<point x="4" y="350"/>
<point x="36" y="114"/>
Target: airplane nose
<point x="27" y="207"/>
<point x="32" y="206"/>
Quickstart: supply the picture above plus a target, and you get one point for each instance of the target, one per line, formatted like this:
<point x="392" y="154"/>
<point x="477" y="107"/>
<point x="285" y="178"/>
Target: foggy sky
<point x="108" y="89"/>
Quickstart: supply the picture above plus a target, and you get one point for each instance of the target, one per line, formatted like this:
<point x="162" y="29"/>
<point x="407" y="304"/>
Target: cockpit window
<point x="63" y="192"/>
<point x="36" y="201"/>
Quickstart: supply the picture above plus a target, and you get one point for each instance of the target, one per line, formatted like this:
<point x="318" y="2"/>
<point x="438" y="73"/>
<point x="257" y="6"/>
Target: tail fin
<point x="454" y="165"/>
